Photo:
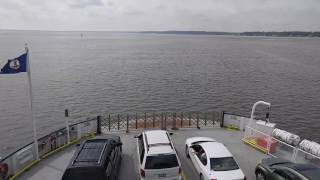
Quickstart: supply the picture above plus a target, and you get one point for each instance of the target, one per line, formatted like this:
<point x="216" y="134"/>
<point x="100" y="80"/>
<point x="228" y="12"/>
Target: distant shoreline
<point x="221" y="33"/>
<point x="257" y="33"/>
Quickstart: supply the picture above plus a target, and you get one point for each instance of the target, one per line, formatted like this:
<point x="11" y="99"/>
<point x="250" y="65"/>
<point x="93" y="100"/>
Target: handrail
<point x="47" y="135"/>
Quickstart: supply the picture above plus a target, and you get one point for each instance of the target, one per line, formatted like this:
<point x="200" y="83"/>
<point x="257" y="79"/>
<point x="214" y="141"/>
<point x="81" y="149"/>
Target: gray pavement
<point x="247" y="157"/>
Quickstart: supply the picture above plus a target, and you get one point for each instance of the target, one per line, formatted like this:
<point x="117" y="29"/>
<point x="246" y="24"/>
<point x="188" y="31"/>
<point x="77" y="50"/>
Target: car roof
<point x="215" y="150"/>
<point x="158" y="142"/>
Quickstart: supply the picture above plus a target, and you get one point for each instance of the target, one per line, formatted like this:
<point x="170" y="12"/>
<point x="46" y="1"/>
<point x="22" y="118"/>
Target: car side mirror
<point x="170" y="133"/>
<point x="119" y="144"/>
<point x="78" y="145"/>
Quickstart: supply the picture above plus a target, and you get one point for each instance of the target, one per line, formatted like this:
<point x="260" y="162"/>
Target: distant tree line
<point x="258" y="33"/>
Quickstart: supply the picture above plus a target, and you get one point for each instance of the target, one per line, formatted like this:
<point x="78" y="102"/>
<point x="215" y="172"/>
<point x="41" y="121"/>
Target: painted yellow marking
<point x="252" y="142"/>
<point x="33" y="163"/>
<point x="183" y="176"/>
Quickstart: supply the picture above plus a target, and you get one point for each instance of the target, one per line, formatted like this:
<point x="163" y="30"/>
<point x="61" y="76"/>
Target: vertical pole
<point x="162" y="120"/>
<point x="198" y="120"/>
<point x="181" y="120"/>
<point x="222" y="119"/>
<point x="66" y="115"/>
<point x="153" y="119"/>
<point x="127" y="123"/>
<point x="174" y="124"/>
<point x="189" y="119"/>
<point x="136" y="120"/>
<point x="205" y="119"/>
<point x="145" y="120"/>
<point x="213" y="119"/>
<point x="165" y="121"/>
<point x="109" y="123"/>
<point x="118" y="121"/>
<point x="98" y="125"/>
<point x="35" y="138"/>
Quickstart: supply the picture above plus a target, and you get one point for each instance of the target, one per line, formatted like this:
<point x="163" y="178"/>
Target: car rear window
<point x="161" y="161"/>
<point x="82" y="174"/>
<point x="223" y="164"/>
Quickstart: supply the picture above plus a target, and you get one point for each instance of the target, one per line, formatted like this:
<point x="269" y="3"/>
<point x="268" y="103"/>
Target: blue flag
<point x="15" y="65"/>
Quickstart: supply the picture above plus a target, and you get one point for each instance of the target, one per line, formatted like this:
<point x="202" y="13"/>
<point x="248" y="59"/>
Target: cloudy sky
<point x="136" y="15"/>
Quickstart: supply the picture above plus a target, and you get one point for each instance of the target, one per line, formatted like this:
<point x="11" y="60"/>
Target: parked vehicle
<point x="97" y="159"/>
<point x="157" y="156"/>
<point x="212" y="160"/>
<point x="280" y="169"/>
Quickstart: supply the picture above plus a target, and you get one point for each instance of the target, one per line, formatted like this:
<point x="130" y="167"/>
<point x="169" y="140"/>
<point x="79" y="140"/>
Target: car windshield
<point x="161" y="161"/>
<point x="223" y="164"/>
<point x="312" y="174"/>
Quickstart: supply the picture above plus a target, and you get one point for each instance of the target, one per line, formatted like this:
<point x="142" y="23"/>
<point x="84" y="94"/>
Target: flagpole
<point x="35" y="139"/>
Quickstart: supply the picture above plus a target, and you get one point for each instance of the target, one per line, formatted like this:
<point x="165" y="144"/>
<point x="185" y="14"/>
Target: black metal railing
<point x="163" y="120"/>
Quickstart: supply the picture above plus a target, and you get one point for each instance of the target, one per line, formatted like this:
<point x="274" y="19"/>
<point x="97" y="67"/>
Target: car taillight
<point x="214" y="179"/>
<point x="142" y="173"/>
<point x="179" y="170"/>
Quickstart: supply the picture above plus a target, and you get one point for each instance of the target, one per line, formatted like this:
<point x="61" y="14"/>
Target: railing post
<point x="127" y="123"/>
<point x="198" y="120"/>
<point x="174" y="123"/>
<point x="98" y="125"/>
<point x="153" y="119"/>
<point x="109" y="122"/>
<point x="162" y="120"/>
<point x="145" y="120"/>
<point x="205" y="119"/>
<point x="66" y="114"/>
<point x="165" y="121"/>
<point x="222" y="119"/>
<point x="213" y="119"/>
<point x="181" y="125"/>
<point x="136" y="120"/>
<point x="189" y="119"/>
<point x="118" y="121"/>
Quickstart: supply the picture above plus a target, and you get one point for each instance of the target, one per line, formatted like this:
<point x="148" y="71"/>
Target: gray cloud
<point x="135" y="15"/>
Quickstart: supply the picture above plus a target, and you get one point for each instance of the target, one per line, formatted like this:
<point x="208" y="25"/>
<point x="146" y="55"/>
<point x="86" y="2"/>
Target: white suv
<point x="157" y="156"/>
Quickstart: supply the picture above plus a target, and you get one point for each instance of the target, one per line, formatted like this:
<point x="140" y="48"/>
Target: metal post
<point x="165" y="121"/>
<point x="205" y="119"/>
<point x="98" y="125"/>
<point x="174" y="123"/>
<point x="145" y="120"/>
<point x="109" y="122"/>
<point x="181" y="120"/>
<point x="118" y="121"/>
<point x="66" y="115"/>
<point x="153" y="119"/>
<point x="198" y="120"/>
<point x="127" y="123"/>
<point x="136" y="120"/>
<point x="213" y="119"/>
<point x="189" y="119"/>
<point x="222" y="119"/>
<point x="162" y="120"/>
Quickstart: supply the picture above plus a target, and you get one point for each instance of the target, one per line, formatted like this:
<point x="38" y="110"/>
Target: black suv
<point x="97" y="159"/>
<point x="280" y="169"/>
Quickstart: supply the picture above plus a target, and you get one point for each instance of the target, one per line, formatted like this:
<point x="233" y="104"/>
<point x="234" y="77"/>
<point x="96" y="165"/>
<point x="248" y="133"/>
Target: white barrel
<point x="310" y="147"/>
<point x="286" y="137"/>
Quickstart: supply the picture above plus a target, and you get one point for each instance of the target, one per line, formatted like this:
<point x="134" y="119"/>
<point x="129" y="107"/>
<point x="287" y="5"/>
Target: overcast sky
<point x="136" y="15"/>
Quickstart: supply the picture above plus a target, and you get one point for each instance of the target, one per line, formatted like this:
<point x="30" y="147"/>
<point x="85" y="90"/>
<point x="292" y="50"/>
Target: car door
<point x="195" y="152"/>
<point x="112" y="160"/>
<point x="280" y="174"/>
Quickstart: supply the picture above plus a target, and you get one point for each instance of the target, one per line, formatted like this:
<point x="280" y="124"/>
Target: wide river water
<point x="104" y="72"/>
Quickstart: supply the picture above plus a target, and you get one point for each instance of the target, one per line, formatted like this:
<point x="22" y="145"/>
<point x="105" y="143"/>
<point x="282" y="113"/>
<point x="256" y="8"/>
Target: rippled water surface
<point x="129" y="72"/>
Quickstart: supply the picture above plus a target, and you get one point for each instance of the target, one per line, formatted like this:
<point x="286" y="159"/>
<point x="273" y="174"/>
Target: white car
<point x="157" y="156"/>
<point x="212" y="160"/>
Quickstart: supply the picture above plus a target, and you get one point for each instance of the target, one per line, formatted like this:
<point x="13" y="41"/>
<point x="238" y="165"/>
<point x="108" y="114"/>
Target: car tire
<point x="260" y="175"/>
<point x="201" y="177"/>
<point x="187" y="152"/>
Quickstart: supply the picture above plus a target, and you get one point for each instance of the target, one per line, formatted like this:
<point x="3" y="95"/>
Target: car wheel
<point x="201" y="177"/>
<point x="260" y="175"/>
<point x="187" y="152"/>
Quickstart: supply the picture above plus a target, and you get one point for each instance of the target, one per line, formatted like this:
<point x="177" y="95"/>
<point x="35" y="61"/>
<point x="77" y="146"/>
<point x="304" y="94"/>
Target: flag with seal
<point x="15" y="65"/>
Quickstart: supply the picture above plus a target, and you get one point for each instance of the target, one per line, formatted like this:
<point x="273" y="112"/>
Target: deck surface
<point x="247" y="157"/>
